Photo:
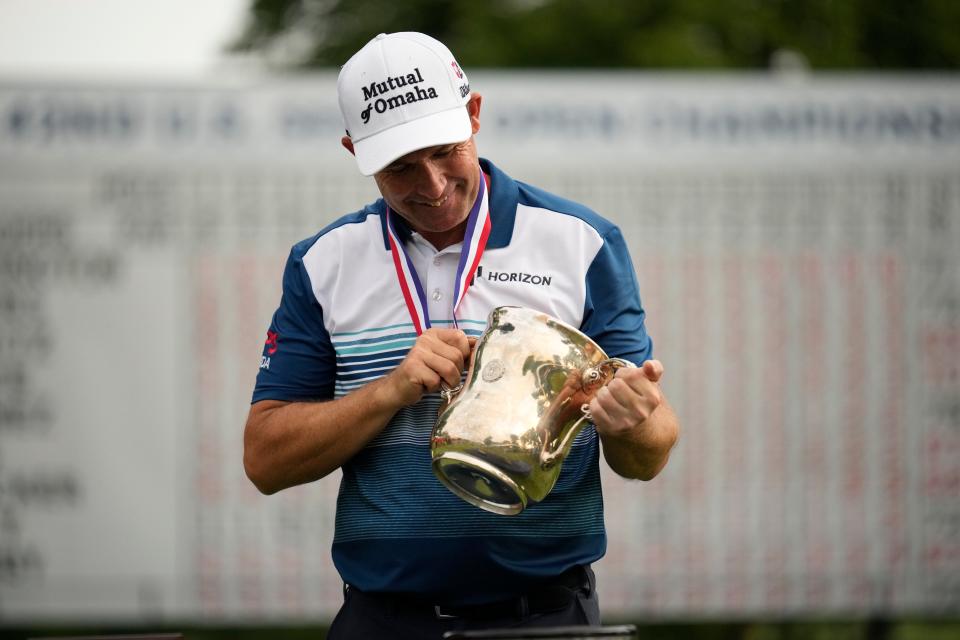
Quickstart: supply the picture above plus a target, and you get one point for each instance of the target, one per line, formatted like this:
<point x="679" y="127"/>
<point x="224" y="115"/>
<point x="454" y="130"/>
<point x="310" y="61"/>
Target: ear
<point x="347" y="144"/>
<point x="473" y="110"/>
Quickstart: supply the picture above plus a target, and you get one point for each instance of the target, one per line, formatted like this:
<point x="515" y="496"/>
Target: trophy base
<point x="479" y="483"/>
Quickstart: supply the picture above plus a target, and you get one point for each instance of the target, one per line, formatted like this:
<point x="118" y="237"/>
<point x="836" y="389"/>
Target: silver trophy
<point x="500" y="438"/>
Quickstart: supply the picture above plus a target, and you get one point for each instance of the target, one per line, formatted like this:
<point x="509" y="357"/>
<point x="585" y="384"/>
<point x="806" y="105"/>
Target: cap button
<point x="380" y="36"/>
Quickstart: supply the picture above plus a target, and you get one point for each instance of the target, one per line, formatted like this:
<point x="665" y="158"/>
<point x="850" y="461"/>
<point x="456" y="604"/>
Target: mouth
<point x="432" y="203"/>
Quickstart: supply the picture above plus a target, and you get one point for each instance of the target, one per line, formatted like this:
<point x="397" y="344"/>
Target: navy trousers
<point x="386" y="617"/>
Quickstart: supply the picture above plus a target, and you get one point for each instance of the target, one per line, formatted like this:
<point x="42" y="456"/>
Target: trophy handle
<point x="599" y="376"/>
<point x="592" y="380"/>
<point x="447" y="393"/>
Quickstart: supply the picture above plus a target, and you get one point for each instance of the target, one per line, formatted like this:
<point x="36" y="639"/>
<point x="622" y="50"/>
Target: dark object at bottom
<point x="568" y="602"/>
<point x="625" y="632"/>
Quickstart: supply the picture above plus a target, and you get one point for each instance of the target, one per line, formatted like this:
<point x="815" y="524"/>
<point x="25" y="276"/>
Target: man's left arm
<point x="636" y="424"/>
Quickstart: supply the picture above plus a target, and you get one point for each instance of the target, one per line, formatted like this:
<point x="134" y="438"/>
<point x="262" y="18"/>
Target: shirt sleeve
<point x="613" y="314"/>
<point x="298" y="361"/>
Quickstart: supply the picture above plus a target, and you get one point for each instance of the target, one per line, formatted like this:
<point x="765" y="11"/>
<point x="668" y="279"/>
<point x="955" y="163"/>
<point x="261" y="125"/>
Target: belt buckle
<point x="438" y="610"/>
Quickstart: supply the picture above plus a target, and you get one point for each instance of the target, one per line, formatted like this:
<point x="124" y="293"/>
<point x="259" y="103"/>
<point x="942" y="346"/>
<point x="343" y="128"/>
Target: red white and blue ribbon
<point x="474" y="242"/>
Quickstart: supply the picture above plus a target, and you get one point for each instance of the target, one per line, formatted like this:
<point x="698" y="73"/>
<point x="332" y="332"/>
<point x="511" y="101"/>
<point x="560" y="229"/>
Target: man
<point x="378" y="311"/>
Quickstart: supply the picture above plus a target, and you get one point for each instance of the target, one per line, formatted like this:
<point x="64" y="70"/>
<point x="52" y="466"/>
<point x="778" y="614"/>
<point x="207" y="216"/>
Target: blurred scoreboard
<point x="797" y="242"/>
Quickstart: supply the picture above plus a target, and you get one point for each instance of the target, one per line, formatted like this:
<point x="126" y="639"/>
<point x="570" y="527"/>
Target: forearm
<point x="642" y="453"/>
<point x="292" y="443"/>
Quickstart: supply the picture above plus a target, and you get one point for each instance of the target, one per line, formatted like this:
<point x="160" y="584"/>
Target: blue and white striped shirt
<point x="342" y="323"/>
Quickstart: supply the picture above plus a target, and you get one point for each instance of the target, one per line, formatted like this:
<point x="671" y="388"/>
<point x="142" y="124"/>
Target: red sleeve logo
<point x="271" y="342"/>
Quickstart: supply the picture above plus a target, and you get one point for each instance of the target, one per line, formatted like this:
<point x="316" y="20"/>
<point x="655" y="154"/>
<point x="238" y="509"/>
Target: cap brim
<point x="446" y="127"/>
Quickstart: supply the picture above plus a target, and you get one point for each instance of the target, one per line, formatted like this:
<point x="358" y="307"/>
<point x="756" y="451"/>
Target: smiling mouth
<point x="432" y="203"/>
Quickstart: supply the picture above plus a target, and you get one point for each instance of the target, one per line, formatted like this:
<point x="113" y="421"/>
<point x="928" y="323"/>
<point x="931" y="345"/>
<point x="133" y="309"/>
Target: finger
<point x="453" y="337"/>
<point x="454" y="355"/>
<point x="413" y="379"/>
<point x="444" y="368"/>
<point x="637" y="378"/>
<point x="419" y="373"/>
<point x="620" y="402"/>
<point x="610" y="417"/>
<point x="629" y="403"/>
<point x="450" y="348"/>
<point x="422" y="375"/>
<point x="653" y="369"/>
<point x="598" y="413"/>
<point x="623" y="393"/>
<point x="440" y="359"/>
<point x="643" y="385"/>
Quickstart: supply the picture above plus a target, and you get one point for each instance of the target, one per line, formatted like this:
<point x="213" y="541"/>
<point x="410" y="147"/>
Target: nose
<point x="431" y="183"/>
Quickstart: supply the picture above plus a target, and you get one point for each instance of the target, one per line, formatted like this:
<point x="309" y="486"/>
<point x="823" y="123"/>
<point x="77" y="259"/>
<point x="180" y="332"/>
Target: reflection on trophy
<point x="499" y="442"/>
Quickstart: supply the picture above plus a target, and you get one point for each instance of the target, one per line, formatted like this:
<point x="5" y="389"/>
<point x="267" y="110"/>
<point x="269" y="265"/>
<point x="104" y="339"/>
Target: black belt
<point x="554" y="595"/>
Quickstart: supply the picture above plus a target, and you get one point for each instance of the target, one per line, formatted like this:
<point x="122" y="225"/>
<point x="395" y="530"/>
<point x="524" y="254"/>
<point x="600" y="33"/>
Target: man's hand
<point x="438" y="355"/>
<point x="625" y="403"/>
<point x="291" y="443"/>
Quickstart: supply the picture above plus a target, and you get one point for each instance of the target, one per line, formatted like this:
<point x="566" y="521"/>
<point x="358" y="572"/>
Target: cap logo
<point x="402" y="91"/>
<point x="374" y="92"/>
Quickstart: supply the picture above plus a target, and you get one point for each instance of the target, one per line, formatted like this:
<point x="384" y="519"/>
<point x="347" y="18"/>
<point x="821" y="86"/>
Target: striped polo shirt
<point x="342" y="322"/>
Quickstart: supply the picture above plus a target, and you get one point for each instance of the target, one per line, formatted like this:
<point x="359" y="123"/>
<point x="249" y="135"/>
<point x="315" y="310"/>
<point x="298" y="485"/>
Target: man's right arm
<point x="291" y="443"/>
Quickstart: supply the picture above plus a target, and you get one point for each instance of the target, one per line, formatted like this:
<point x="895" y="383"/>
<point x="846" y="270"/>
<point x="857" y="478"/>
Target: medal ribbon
<point x="474" y="242"/>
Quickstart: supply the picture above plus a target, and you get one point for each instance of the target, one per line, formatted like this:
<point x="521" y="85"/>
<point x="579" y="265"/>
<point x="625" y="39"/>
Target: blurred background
<point x="787" y="175"/>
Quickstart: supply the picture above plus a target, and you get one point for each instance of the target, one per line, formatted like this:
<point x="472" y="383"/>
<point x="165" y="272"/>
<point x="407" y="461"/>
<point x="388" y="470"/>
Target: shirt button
<point x="436" y="261"/>
<point x="437" y="295"/>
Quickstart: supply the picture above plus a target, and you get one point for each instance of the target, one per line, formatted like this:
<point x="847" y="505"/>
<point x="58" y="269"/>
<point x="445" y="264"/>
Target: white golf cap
<point x="402" y="92"/>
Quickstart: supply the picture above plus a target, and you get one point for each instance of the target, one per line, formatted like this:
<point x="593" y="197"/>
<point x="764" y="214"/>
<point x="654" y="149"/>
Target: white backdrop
<point x="797" y="242"/>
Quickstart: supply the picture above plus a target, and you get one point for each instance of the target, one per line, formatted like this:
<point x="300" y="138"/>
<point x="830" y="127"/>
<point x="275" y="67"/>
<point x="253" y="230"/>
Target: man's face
<point x="433" y="189"/>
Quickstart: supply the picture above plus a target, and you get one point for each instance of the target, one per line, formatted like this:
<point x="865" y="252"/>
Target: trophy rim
<point x="464" y="459"/>
<point x="529" y="311"/>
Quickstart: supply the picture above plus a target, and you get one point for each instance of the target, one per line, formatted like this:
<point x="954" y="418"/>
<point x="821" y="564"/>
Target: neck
<point x="443" y="239"/>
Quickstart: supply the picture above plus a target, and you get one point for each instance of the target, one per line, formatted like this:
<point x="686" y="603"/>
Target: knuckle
<point x="657" y="399"/>
<point x="416" y="352"/>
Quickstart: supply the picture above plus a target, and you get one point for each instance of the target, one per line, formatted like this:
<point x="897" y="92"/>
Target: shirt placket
<point x="440" y="286"/>
<point x="438" y="272"/>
